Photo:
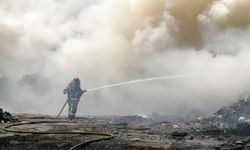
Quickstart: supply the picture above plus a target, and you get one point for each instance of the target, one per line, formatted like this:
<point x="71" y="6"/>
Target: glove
<point x="83" y="91"/>
<point x="64" y="91"/>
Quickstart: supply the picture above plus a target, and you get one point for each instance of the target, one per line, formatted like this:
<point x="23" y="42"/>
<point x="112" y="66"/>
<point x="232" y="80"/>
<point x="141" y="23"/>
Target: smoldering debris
<point x="6" y="117"/>
<point x="44" y="44"/>
<point x="229" y="120"/>
<point x="110" y="41"/>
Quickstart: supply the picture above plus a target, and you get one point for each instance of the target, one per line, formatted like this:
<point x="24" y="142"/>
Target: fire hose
<point x="62" y="109"/>
<point x="75" y="147"/>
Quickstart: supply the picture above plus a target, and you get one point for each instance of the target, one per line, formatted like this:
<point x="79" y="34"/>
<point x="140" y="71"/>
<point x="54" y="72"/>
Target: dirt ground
<point x="130" y="132"/>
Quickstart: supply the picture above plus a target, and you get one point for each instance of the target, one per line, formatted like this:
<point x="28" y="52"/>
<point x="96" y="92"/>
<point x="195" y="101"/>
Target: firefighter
<point x="74" y="93"/>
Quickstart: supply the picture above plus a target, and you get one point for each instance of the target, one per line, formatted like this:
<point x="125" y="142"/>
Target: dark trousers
<point x="73" y="103"/>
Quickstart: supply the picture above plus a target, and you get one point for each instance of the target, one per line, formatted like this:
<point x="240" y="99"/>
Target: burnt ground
<point x="226" y="129"/>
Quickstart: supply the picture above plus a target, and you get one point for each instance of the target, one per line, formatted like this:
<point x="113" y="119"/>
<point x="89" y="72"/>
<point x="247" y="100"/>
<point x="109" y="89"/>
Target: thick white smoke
<point x="48" y="42"/>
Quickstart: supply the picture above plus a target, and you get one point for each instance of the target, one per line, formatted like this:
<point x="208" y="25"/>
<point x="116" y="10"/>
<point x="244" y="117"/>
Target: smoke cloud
<point x="45" y="43"/>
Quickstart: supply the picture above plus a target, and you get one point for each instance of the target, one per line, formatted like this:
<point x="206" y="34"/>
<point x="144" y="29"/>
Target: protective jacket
<point x="74" y="90"/>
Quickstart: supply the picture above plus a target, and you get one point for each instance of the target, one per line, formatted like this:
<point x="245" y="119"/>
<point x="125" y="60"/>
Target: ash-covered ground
<point x="227" y="129"/>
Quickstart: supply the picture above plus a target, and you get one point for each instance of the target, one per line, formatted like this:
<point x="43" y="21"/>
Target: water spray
<point x="127" y="83"/>
<point x="137" y="81"/>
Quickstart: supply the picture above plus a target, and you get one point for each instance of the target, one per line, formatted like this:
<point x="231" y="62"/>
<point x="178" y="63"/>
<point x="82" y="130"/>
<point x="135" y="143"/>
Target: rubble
<point x="233" y="119"/>
<point x="7" y="117"/>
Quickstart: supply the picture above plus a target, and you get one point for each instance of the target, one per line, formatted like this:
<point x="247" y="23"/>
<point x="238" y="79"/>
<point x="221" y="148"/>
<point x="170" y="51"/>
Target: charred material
<point x="233" y="119"/>
<point x="7" y="117"/>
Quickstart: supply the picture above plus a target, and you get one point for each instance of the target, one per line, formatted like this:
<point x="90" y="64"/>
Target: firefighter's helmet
<point x="77" y="80"/>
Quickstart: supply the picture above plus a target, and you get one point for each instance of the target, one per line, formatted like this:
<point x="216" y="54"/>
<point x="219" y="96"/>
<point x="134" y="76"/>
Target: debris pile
<point x="234" y="118"/>
<point x="7" y="117"/>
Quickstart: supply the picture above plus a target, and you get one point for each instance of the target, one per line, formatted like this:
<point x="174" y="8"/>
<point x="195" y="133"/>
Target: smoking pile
<point x="110" y="41"/>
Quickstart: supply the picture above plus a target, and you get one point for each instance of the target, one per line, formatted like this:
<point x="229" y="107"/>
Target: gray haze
<point x="45" y="43"/>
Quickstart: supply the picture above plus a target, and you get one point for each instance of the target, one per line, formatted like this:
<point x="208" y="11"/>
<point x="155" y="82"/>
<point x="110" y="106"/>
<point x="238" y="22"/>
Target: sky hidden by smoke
<point x="110" y="41"/>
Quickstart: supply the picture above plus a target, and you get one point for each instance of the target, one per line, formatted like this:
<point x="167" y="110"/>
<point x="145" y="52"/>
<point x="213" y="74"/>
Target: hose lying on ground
<point x="75" y="147"/>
